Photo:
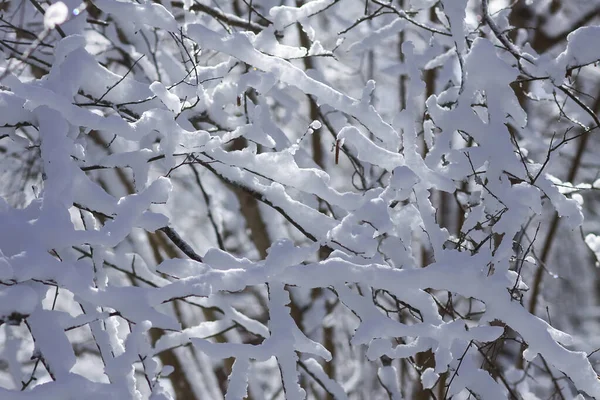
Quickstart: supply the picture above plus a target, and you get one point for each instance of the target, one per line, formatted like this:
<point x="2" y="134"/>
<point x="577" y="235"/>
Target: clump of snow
<point x="583" y="48"/>
<point x="429" y="378"/>
<point x="19" y="299"/>
<point x="169" y="99"/>
<point x="315" y="125"/>
<point x="56" y="14"/>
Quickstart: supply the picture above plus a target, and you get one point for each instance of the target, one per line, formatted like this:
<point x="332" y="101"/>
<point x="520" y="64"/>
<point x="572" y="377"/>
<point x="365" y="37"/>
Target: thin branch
<point x="229" y="19"/>
<point x="180" y="243"/>
<point x="402" y="14"/>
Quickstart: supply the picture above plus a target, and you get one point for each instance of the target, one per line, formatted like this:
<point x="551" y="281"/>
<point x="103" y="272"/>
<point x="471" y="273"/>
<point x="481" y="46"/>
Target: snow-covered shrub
<point x="323" y="199"/>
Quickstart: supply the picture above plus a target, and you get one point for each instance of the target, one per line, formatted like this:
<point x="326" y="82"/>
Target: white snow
<point x="56" y="14"/>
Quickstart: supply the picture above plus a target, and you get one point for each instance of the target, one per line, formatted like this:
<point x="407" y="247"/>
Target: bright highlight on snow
<point x="56" y="14"/>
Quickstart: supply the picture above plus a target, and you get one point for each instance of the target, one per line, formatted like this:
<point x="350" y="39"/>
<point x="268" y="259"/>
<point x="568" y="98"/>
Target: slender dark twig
<point x="180" y="243"/>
